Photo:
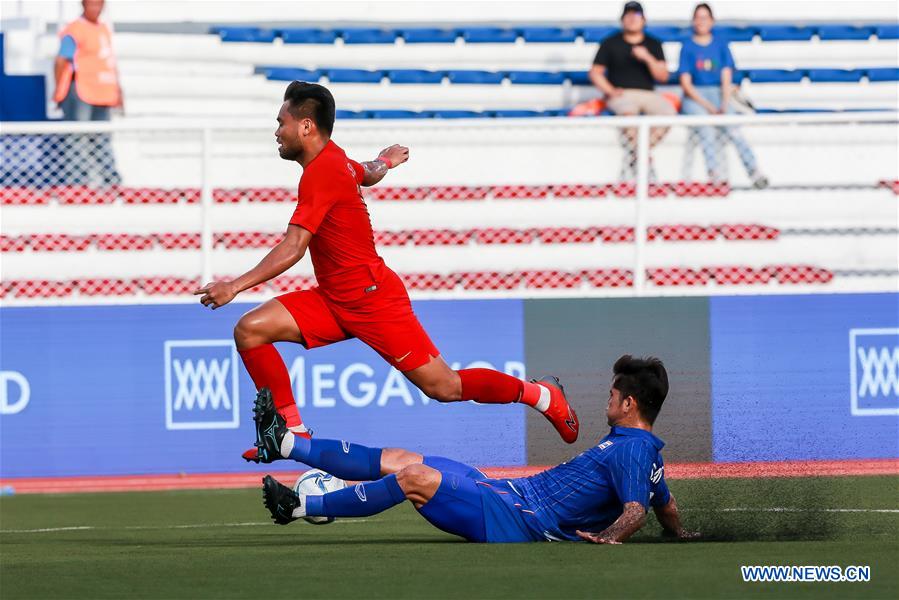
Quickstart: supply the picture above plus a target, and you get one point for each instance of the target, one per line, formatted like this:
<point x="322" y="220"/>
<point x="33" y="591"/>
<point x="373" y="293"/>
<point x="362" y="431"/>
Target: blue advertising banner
<point x="106" y="390"/>
<point x="805" y="377"/>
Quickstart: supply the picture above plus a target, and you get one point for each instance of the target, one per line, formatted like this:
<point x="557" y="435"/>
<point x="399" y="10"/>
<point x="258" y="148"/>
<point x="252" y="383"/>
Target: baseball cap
<point x="632" y="7"/>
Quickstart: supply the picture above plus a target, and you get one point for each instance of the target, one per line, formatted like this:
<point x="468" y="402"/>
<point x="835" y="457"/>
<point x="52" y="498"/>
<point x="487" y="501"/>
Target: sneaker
<point x="280" y="500"/>
<point x="252" y="455"/>
<point x="559" y="413"/>
<point x="270" y="428"/>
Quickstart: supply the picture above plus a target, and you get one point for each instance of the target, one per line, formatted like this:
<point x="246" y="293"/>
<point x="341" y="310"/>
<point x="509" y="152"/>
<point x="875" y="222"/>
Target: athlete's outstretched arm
<point x="630" y="521"/>
<point x="284" y="255"/>
<point x="669" y="518"/>
<point x="388" y="158"/>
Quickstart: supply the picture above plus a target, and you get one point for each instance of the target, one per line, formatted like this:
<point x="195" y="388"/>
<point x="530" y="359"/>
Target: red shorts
<point x="382" y="318"/>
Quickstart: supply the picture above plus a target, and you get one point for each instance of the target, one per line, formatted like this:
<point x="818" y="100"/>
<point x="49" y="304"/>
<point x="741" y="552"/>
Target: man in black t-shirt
<point x="627" y="66"/>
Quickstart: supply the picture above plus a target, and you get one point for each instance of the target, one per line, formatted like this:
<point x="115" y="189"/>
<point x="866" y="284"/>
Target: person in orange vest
<point x="87" y="88"/>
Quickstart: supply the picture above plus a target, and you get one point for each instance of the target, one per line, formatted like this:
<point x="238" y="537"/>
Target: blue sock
<point x="341" y="459"/>
<point x="360" y="500"/>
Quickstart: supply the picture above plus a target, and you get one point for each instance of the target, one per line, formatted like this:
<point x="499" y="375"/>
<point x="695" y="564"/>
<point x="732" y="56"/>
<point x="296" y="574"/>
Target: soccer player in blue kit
<point x="601" y="496"/>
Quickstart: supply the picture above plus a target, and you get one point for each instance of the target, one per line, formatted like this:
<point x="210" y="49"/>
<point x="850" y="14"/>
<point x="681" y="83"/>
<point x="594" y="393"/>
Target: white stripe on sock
<point x="287" y="444"/>
<point x="300" y="511"/>
<point x="543" y="403"/>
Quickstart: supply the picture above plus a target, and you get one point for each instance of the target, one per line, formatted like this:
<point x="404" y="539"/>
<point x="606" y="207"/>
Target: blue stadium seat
<point x="246" y="34"/>
<point x="516" y="113"/>
<point x="536" y="77"/>
<point x="577" y="77"/>
<point x="887" y="31"/>
<point x="423" y="35"/>
<point x="548" y="34"/>
<point x="555" y="112"/>
<point x="291" y="74"/>
<point x="398" y="114"/>
<point x="736" y="33"/>
<point x="739" y="76"/>
<point x="354" y="76"/>
<point x="415" y="76"/>
<point x="598" y="33"/>
<point x="668" y="33"/>
<point x="835" y="75"/>
<point x="367" y="35"/>
<point x="351" y="114"/>
<point x="843" y="32"/>
<point x="477" y="77"/>
<point x="774" y="75"/>
<point x="488" y="35"/>
<point x="785" y="33"/>
<point x="883" y="74"/>
<point x="307" y="35"/>
<point x="459" y="114"/>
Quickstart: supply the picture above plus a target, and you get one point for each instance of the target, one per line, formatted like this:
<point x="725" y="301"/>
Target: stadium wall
<point x="143" y="389"/>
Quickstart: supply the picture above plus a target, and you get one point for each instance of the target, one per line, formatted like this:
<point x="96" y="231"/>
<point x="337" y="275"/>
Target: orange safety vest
<point x="94" y="67"/>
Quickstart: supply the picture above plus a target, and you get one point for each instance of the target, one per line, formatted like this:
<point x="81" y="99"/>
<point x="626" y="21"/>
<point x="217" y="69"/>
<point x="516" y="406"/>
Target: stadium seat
<point x="397" y="193"/>
<point x="122" y="241"/>
<point x="505" y="192"/>
<point x="458" y="114"/>
<point x="307" y="35"/>
<point x="515" y="113"/>
<point x="83" y="194"/>
<point x="801" y="274"/>
<point x="392" y="238"/>
<point x="291" y="283"/>
<point x="668" y="33"/>
<point x="578" y="77"/>
<point x="291" y="74"/>
<point x="887" y="31"/>
<point x="246" y="34"/>
<point x="367" y="35"/>
<point x="105" y="287"/>
<point x="677" y="276"/>
<point x="416" y="76"/>
<point x="739" y="275"/>
<point x="166" y="285"/>
<point x="354" y="76"/>
<point x="422" y="35"/>
<point x="536" y="77"/>
<point x="352" y="114"/>
<point x="398" y="114"/>
<point x="179" y="241"/>
<point x="458" y="192"/>
<point x="488" y="35"/>
<point x="616" y="235"/>
<point x="17" y="195"/>
<point x="548" y="35"/>
<point x="883" y="74"/>
<point x="568" y="235"/>
<point x="835" y="75"/>
<point x="475" y="77"/>
<point x="598" y="33"/>
<point x="13" y="243"/>
<point x="774" y="75"/>
<point x="843" y="32"/>
<point x="504" y="236"/>
<point x="441" y="237"/>
<point x="736" y="33"/>
<point x="430" y="281"/>
<point x="785" y="33"/>
<point x="491" y="280"/>
<point x="691" y="233"/>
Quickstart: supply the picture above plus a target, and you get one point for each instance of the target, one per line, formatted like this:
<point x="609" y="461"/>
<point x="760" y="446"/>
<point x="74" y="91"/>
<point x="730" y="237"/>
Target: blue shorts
<point x="479" y="509"/>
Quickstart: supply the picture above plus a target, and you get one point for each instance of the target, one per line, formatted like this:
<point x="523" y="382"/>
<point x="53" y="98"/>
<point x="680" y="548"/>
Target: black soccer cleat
<point x="280" y="500"/>
<point x="270" y="428"/>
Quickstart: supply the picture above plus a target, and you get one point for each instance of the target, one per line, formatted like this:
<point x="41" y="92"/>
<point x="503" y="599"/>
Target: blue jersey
<point x="589" y="491"/>
<point x="704" y="63"/>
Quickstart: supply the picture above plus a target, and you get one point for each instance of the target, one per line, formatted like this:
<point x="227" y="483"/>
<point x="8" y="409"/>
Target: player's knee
<point x="249" y="331"/>
<point x="418" y="481"/>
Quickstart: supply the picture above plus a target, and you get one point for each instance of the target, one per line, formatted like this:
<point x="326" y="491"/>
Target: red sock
<point x="268" y="370"/>
<point x="487" y="386"/>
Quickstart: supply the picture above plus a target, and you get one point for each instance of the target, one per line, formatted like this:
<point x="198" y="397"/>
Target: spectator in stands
<point x="706" y="71"/>
<point x="87" y="88"/>
<point x="626" y="68"/>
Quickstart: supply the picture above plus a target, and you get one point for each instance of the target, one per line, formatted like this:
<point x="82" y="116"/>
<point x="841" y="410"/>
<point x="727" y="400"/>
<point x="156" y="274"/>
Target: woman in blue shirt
<point x="706" y="72"/>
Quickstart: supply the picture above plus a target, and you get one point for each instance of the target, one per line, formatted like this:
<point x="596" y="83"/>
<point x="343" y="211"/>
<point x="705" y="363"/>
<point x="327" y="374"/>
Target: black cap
<point x="632" y="7"/>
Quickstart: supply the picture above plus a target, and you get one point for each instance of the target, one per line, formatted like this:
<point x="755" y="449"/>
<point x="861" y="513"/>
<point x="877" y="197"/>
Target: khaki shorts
<point x="640" y="102"/>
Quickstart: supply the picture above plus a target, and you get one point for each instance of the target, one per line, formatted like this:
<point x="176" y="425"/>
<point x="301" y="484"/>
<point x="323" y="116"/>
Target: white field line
<point x="156" y="527"/>
<point x="786" y="509"/>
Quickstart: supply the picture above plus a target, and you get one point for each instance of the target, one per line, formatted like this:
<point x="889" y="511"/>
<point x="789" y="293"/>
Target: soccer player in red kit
<point x="357" y="294"/>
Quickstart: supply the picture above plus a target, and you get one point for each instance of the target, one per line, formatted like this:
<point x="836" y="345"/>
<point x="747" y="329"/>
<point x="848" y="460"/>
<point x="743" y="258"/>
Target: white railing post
<point x="642" y="193"/>
<point x="206" y="207"/>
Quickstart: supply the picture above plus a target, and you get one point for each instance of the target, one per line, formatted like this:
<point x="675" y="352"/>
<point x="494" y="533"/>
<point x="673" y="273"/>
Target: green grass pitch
<point x="219" y="544"/>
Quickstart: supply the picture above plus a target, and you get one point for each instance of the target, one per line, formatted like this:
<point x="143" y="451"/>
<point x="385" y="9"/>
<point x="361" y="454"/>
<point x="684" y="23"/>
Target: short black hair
<point x="645" y="379"/>
<point x="312" y="101"/>
<point x="704" y="5"/>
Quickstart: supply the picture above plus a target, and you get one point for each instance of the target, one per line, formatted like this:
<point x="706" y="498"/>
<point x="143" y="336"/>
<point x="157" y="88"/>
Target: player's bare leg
<point x="254" y="335"/>
<point x="486" y="386"/>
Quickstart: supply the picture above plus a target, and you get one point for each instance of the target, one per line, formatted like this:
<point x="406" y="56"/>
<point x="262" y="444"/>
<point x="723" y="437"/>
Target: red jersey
<point x="330" y="205"/>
